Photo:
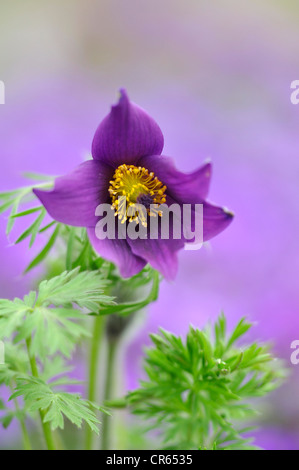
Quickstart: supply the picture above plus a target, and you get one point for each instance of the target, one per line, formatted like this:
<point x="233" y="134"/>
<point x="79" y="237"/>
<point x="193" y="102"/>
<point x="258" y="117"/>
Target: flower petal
<point x="215" y="220"/>
<point x="187" y="188"/>
<point x="161" y="254"/>
<point x="126" y="134"/>
<point x="75" y="196"/>
<point x="119" y="252"/>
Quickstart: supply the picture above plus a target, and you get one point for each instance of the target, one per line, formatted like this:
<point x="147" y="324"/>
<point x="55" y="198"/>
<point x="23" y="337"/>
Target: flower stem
<point x="26" y="439"/>
<point x="25" y="435"/>
<point x="98" y="329"/>
<point x="106" y="423"/>
<point x="46" y="426"/>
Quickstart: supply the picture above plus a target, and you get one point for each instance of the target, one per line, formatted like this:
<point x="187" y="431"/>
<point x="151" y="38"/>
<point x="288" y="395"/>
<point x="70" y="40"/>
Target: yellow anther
<point x="131" y="183"/>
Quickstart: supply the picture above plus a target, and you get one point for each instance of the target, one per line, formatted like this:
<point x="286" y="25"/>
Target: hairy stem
<point x="106" y="420"/>
<point x="98" y="329"/>
<point x="45" y="426"/>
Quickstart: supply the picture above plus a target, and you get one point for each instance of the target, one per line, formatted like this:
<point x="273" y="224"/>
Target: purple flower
<point x="127" y="160"/>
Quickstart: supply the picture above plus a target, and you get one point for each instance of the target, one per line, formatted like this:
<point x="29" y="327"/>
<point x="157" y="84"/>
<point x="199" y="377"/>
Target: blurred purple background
<point x="217" y="80"/>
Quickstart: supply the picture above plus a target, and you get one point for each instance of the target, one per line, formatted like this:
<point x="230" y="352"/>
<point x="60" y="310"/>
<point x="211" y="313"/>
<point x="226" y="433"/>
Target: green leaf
<point x="28" y="212"/>
<point x="44" y="252"/>
<point x="38" y="395"/>
<point x="7" y="418"/>
<point x="13" y="199"/>
<point x="241" y="328"/>
<point x="12" y="314"/>
<point x="6" y="206"/>
<point x="49" y="317"/>
<point x="11" y="220"/>
<point x="86" y="289"/>
<point x="69" y="249"/>
<point x="46" y="227"/>
<point x="8" y="194"/>
<point x="38" y="176"/>
<point x="16" y="364"/>
<point x="129" y="307"/>
<point x="33" y="229"/>
<point x="53" y="330"/>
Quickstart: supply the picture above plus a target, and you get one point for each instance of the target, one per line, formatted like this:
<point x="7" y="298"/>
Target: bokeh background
<point x="216" y="76"/>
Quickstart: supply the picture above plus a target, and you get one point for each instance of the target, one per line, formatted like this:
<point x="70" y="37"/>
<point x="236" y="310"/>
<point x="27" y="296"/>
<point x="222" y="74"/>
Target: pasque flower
<point x="127" y="161"/>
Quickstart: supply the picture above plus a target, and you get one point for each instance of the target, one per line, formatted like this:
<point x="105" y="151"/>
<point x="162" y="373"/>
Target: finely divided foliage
<point x="40" y="396"/>
<point x="48" y="314"/>
<point x="11" y="200"/>
<point x="198" y="389"/>
<point x="50" y="323"/>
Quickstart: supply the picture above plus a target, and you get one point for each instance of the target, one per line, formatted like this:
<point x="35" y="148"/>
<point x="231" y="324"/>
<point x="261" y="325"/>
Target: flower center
<point x="135" y="193"/>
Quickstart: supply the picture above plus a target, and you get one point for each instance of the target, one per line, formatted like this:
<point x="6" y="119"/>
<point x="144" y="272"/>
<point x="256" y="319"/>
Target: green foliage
<point x="147" y="277"/>
<point x="41" y="256"/>
<point x="9" y="414"/>
<point x="46" y="324"/>
<point x="49" y="315"/>
<point x="83" y="288"/>
<point x="198" y="389"/>
<point x="38" y="395"/>
<point x="11" y="200"/>
<point x="16" y="364"/>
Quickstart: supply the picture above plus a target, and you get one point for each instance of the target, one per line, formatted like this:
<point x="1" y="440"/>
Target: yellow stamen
<point x="132" y="186"/>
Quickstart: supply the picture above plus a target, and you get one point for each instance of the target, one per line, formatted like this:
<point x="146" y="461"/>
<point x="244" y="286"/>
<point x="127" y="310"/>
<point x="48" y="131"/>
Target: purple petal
<point x="215" y="220"/>
<point x="126" y="134"/>
<point x="189" y="189"/>
<point x="160" y="254"/>
<point x="183" y="187"/>
<point x="75" y="196"/>
<point x="119" y="252"/>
